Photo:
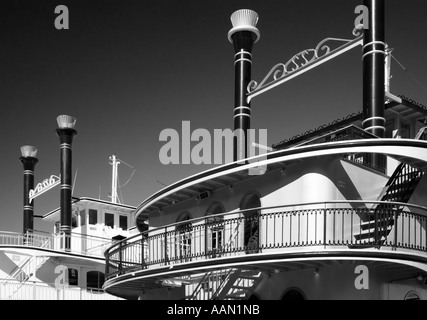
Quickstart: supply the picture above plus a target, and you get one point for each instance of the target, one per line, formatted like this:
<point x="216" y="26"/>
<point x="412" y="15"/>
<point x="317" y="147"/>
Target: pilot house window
<point x="123" y="222"/>
<point x="93" y="216"/>
<point x="109" y="220"/>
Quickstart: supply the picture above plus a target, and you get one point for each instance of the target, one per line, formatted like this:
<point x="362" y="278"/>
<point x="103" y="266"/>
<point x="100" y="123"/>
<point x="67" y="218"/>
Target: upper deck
<point x="313" y="205"/>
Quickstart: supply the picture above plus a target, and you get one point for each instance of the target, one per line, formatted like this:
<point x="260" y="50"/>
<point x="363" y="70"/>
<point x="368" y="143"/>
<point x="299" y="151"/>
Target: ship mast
<point x="115" y="163"/>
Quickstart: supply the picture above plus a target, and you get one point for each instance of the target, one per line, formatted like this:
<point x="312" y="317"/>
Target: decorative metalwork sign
<point x="303" y="62"/>
<point x="44" y="186"/>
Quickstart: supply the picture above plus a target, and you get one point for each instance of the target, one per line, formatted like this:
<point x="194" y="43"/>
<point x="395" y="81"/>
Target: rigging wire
<point x="120" y="186"/>
<point x="74" y="182"/>
<point x="133" y="172"/>
<point x="410" y="75"/>
<point x="120" y="196"/>
<point x="139" y="172"/>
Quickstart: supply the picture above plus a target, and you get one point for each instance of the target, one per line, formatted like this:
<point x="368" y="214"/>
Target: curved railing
<point x="315" y="226"/>
<point x="80" y="243"/>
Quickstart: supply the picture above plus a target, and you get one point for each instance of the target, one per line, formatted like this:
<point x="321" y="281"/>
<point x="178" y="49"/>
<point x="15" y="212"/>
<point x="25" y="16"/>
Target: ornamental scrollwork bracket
<point x="305" y="59"/>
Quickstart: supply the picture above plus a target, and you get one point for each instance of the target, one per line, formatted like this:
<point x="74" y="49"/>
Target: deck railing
<point x="315" y="226"/>
<point x="80" y="243"/>
<point x="33" y="290"/>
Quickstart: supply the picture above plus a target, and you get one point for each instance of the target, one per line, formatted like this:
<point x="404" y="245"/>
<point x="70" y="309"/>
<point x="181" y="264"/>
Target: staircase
<point x="23" y="276"/>
<point x="20" y="273"/>
<point x="207" y="284"/>
<point x="379" y="221"/>
<point x="238" y="285"/>
<point x="25" y="270"/>
<point x="228" y="284"/>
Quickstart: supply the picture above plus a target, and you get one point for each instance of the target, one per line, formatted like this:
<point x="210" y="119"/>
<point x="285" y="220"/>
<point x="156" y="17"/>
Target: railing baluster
<point x="309" y="217"/>
<point x="421" y="230"/>
<point x="395" y="228"/>
<point x="425" y="233"/>
<point x="166" y="246"/>
<point x="274" y="231"/>
<point x="290" y="228"/>
<point x="415" y="232"/>
<point x="334" y="222"/>
<point x="283" y="228"/>
<point x="315" y="227"/>
<point x="343" y="227"/>
<point x="324" y="227"/>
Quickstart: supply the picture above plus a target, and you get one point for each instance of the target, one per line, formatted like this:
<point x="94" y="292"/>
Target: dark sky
<point x="128" y="69"/>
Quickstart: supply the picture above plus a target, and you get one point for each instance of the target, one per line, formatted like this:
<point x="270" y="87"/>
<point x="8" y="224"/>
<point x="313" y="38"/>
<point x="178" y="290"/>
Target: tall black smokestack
<point x="374" y="73"/>
<point x="29" y="161"/>
<point x="66" y="133"/>
<point x="243" y="35"/>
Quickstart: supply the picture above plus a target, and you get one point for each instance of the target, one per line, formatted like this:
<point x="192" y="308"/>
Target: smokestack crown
<point x="66" y="122"/>
<point x="28" y="151"/>
<point x="244" y="20"/>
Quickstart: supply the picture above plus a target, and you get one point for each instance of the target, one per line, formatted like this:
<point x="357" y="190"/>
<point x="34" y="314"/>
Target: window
<point x="82" y="218"/>
<point x="93" y="216"/>
<point x="215" y="230"/>
<point x="109" y="220"/>
<point x="123" y="222"/>
<point x="251" y="222"/>
<point x="73" y="277"/>
<point x="95" y="280"/>
<point x="184" y="236"/>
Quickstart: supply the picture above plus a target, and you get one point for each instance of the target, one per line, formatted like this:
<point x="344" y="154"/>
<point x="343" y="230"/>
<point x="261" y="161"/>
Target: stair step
<point x="240" y="287"/>
<point x="250" y="273"/>
<point x="364" y="236"/>
<point x="236" y="293"/>
<point x="380" y="228"/>
<point x="235" y="298"/>
<point x="380" y="223"/>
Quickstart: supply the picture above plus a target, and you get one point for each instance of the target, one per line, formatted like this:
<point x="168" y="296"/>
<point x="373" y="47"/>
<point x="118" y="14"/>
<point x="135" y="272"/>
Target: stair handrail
<point x="420" y="133"/>
<point x="398" y="172"/>
<point x="200" y="285"/>
<point x="223" y="283"/>
<point x="22" y="282"/>
<point x="19" y="268"/>
<point x="399" y="167"/>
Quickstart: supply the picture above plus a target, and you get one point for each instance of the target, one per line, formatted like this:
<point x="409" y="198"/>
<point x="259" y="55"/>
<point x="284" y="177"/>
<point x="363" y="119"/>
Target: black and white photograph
<point x="229" y="151"/>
